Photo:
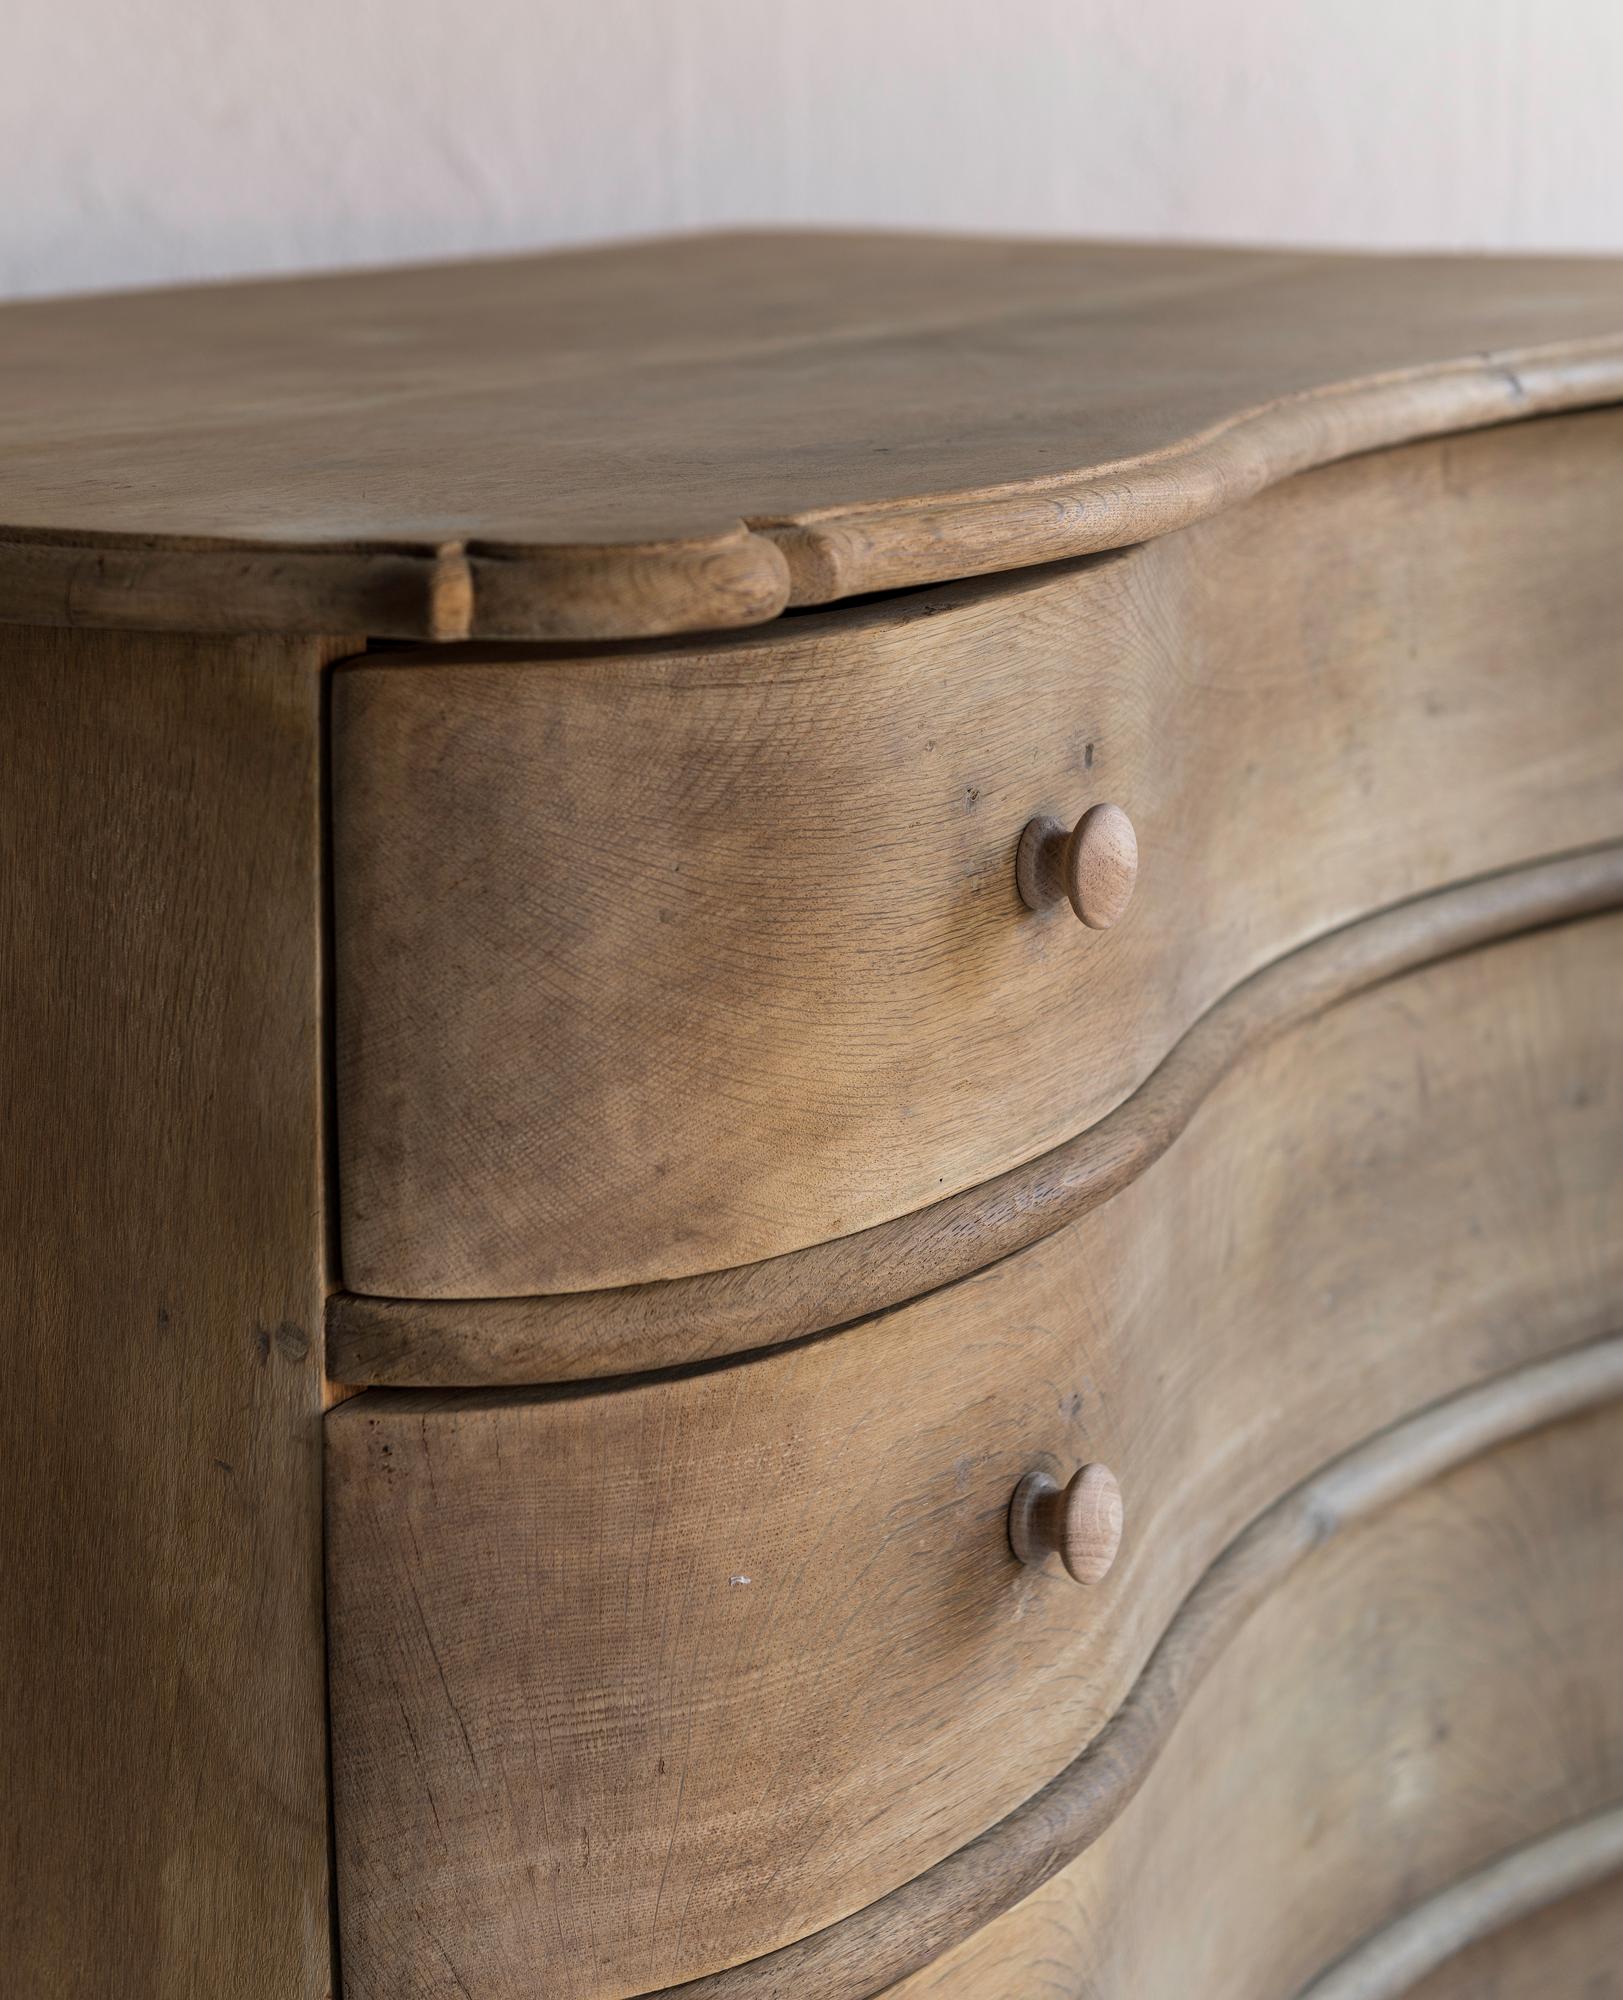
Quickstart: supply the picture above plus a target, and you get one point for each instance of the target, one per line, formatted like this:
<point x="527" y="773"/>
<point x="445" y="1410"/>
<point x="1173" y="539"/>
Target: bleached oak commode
<point x="814" y="1124"/>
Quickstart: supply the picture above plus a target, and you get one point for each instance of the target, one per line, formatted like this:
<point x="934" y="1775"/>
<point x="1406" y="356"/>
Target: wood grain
<point x="660" y="963"/>
<point x="408" y="1342"/>
<point x="688" y="434"/>
<point x="1436" y="1686"/>
<point x="760" y="1625"/>
<point x="162" y="1754"/>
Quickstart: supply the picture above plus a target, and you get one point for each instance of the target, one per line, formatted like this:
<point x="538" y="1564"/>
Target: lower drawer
<point x="636" y="1680"/>
<point x="1435" y="1692"/>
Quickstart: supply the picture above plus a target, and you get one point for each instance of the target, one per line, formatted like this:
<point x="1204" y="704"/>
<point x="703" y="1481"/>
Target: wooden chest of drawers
<point x="633" y="1363"/>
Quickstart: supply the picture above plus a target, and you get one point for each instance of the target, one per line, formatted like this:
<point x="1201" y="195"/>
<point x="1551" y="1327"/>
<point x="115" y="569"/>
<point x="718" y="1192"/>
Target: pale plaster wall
<point x="201" y="138"/>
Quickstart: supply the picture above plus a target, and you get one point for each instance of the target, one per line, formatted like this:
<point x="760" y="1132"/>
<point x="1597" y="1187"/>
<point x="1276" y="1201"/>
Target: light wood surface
<point x="666" y="962"/>
<point x="687" y="434"/>
<point x="761" y="1625"/>
<point x="1571" y="1951"/>
<point x="1393" y="1962"/>
<point x="162" y="1744"/>
<point x="1436" y="1686"/>
<point x="571" y="1335"/>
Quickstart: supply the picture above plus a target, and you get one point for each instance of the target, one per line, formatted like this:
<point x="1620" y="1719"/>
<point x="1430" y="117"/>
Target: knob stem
<point x="1092" y="866"/>
<point x="1080" y="1523"/>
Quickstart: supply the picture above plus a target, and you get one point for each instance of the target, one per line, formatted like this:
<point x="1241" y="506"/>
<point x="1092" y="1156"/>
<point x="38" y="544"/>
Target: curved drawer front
<point x="637" y="1681"/>
<point x="1433" y="1694"/>
<point x="667" y="961"/>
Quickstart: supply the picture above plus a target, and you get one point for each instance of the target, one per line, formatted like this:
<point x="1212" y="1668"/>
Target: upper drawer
<point x="665" y="960"/>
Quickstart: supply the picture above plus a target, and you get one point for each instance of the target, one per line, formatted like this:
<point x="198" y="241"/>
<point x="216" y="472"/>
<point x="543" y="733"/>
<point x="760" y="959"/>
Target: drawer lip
<point x="910" y="1928"/>
<point x="574" y="1336"/>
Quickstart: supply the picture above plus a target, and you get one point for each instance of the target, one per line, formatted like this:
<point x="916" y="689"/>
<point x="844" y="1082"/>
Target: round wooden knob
<point x="1079" y="1523"/>
<point x="1092" y="865"/>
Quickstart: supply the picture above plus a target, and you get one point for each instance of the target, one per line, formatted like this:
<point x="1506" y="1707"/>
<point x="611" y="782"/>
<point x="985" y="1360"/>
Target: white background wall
<point x="146" y="140"/>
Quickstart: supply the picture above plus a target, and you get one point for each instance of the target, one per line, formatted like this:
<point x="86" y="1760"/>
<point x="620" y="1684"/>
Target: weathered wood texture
<point x="760" y="1626"/>
<point x="162" y="1759"/>
<point x="1434" y="1687"/>
<point x="568" y="1335"/>
<point x="663" y="962"/>
<point x="671" y="436"/>
<point x="917" y="1924"/>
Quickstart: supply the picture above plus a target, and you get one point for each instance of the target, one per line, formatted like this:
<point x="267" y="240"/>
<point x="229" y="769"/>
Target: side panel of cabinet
<point x="162" y="1736"/>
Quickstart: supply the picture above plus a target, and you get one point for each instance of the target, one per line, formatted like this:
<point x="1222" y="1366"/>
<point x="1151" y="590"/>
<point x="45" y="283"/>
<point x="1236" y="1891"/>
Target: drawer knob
<point x="1092" y="865"/>
<point x="1080" y="1523"/>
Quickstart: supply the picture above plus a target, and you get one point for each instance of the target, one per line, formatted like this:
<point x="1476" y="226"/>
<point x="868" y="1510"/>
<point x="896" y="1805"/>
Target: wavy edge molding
<point x="753" y="570"/>
<point x="674" y="1322"/>
<point x="1530" y="1878"/>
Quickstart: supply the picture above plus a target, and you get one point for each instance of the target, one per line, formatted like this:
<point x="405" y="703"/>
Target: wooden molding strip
<point x="897" y="545"/>
<point x="1517" y="1885"/>
<point x="471" y="1343"/>
<point x="867" y="1953"/>
<point x="454" y="592"/>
